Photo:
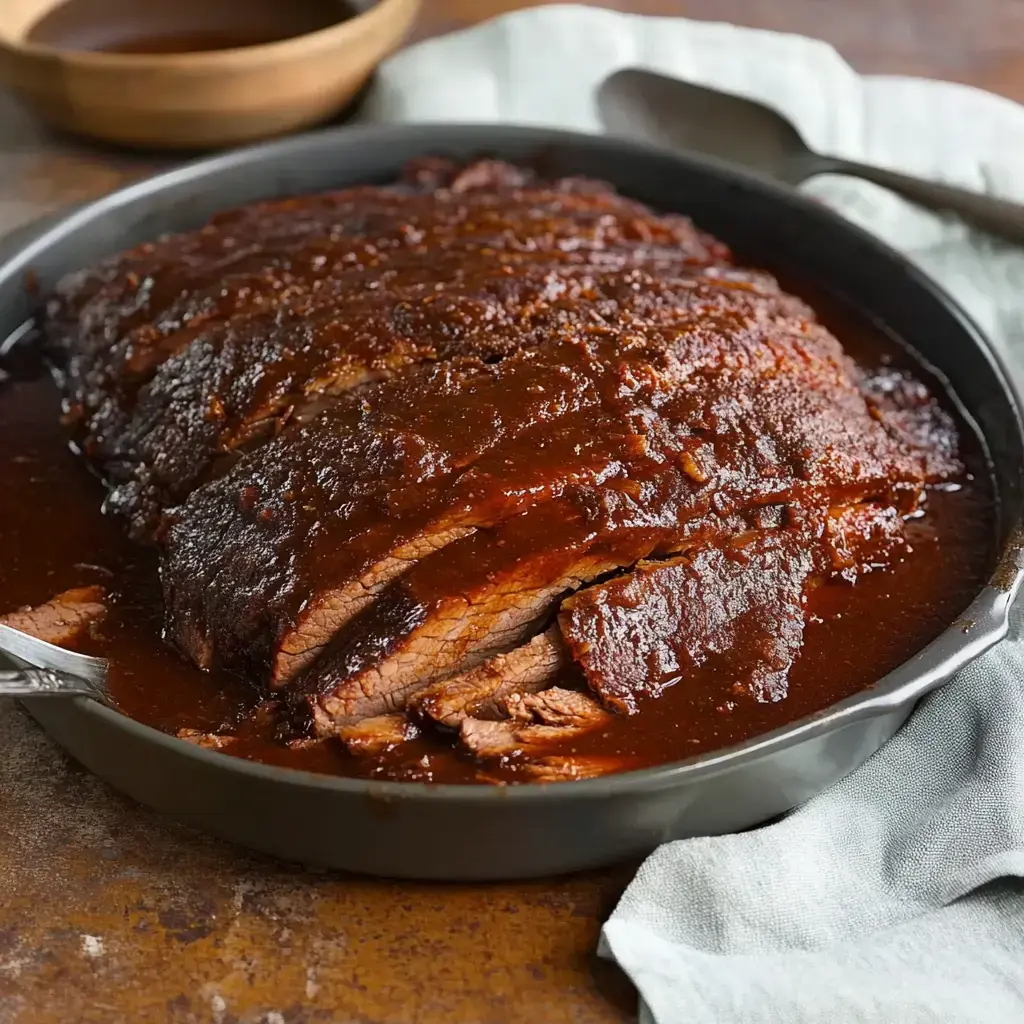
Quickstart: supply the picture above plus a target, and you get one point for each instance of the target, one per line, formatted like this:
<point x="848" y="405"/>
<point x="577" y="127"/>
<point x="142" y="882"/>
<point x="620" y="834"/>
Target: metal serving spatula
<point x="44" y="670"/>
<point x="680" y="116"/>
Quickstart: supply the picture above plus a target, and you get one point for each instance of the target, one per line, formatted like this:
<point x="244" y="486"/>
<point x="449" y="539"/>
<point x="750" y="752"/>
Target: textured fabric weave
<point x="893" y="897"/>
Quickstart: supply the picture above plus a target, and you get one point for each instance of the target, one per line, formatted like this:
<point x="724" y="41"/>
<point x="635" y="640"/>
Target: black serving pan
<point x="480" y="832"/>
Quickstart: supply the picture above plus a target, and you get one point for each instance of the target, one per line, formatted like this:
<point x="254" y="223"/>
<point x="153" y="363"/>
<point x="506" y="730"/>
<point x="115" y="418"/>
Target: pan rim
<point x="977" y="629"/>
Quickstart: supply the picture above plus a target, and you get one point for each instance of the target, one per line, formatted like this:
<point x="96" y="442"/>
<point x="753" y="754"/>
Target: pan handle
<point x="43" y="682"/>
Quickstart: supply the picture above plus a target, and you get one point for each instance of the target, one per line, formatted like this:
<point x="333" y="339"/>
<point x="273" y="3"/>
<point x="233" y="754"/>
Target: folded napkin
<point x="893" y="897"/>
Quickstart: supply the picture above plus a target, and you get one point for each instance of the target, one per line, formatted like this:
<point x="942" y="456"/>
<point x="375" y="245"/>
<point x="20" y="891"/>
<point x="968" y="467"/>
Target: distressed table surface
<point x="108" y="913"/>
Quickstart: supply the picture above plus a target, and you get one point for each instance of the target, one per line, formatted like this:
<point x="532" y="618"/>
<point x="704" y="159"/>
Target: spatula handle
<point x="42" y="682"/>
<point x="998" y="217"/>
<point x="33" y="651"/>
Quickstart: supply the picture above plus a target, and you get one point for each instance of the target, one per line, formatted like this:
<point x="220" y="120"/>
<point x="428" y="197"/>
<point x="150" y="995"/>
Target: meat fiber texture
<point x="63" y="620"/>
<point x="427" y="452"/>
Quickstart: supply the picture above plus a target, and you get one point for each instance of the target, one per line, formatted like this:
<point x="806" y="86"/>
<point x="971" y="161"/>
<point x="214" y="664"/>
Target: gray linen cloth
<point x="893" y="897"/>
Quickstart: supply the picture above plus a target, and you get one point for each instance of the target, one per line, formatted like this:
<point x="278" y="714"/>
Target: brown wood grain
<point x="109" y="914"/>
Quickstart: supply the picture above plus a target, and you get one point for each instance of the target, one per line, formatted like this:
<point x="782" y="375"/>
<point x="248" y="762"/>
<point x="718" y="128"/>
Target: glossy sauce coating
<point x="56" y="538"/>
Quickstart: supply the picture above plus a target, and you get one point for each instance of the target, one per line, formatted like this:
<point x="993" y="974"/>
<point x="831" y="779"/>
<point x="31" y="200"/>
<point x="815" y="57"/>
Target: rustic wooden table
<point x="108" y="913"/>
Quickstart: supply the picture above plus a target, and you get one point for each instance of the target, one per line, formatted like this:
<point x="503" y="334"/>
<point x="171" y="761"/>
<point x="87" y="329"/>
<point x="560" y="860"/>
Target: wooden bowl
<point x="197" y="100"/>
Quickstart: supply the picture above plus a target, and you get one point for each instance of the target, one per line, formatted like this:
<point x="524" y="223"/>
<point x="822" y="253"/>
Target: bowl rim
<point x="334" y="34"/>
<point x="984" y="623"/>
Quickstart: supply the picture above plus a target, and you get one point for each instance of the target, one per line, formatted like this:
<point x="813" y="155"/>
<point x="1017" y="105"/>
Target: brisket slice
<point x="555" y="706"/>
<point x="537" y="721"/>
<point x="62" y="620"/>
<point x="736" y="607"/>
<point x="331" y="610"/>
<point x="571" y="767"/>
<point x="480" y="692"/>
<point x="373" y="736"/>
<point x="489" y="595"/>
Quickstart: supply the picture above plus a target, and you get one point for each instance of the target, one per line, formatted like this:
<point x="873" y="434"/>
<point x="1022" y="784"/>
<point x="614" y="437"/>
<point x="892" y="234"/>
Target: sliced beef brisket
<point x="738" y="604"/>
<point x="481" y="596"/>
<point x="480" y="692"/>
<point x="63" y="619"/>
<point x="538" y="721"/>
<point x="772" y="417"/>
<point x="431" y="454"/>
<point x="370" y="737"/>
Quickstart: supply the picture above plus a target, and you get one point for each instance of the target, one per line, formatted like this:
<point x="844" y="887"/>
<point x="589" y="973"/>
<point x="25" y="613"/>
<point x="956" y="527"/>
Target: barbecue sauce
<point x="55" y="537"/>
<point x="181" y="26"/>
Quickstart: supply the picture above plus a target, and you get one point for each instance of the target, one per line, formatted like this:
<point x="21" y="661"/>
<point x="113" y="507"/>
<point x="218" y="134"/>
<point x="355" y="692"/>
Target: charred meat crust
<point x="297" y="285"/>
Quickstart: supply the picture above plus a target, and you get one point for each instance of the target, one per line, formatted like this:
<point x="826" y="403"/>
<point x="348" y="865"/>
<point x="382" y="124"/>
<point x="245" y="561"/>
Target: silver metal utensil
<point x="45" y="670"/>
<point x="680" y="116"/>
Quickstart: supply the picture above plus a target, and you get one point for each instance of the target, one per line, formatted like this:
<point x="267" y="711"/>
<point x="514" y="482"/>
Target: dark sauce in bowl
<point x="182" y="26"/>
<point x="54" y="537"/>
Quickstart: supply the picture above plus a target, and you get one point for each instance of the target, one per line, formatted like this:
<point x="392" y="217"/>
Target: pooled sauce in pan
<point x="54" y="537"/>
